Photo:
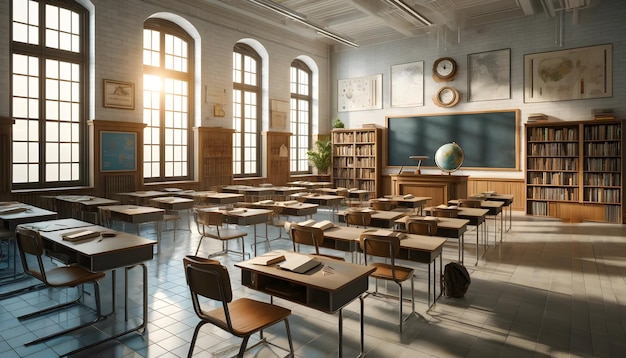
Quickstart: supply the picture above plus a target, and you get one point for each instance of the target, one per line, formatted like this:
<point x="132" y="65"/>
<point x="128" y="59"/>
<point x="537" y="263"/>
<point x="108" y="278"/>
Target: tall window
<point x="167" y="79"/>
<point x="300" y="116"/>
<point x="246" y="111"/>
<point x="48" y="84"/>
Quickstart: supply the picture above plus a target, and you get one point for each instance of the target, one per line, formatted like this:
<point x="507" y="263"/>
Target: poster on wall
<point x="118" y="151"/>
<point x="577" y="73"/>
<point x="407" y="84"/>
<point x="489" y="75"/>
<point x="360" y="93"/>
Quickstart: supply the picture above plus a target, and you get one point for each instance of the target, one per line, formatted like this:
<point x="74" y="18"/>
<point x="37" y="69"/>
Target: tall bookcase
<point x="357" y="159"/>
<point x="574" y="169"/>
<point x="215" y="147"/>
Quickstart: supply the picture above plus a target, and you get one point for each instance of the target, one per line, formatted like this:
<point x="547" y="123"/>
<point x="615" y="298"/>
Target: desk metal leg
<point x="144" y="319"/>
<point x="340" y="333"/>
<point x="362" y="327"/>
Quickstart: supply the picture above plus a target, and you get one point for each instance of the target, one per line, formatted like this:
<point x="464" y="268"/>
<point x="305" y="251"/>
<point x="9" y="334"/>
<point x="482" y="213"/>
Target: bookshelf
<point x="574" y="169"/>
<point x="278" y="157"/>
<point x="216" y="156"/>
<point x="357" y="159"/>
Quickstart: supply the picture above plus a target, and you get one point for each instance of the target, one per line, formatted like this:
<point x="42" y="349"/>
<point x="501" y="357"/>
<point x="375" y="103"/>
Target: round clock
<point x="446" y="97"/>
<point x="444" y="69"/>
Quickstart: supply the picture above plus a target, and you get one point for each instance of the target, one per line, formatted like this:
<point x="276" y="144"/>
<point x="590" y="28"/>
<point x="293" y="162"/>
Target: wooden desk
<point x="329" y="201"/>
<point x="382" y="219"/>
<point x="213" y="198"/>
<point x="103" y="254"/>
<point x="289" y="209"/>
<point x="141" y="197"/>
<point x="173" y="203"/>
<point x="10" y="221"/>
<point x="251" y="193"/>
<point x="244" y="217"/>
<point x="507" y="199"/>
<point x="494" y="209"/>
<point x="311" y="185"/>
<point x="283" y="192"/>
<point x="416" y="202"/>
<point x="416" y="248"/>
<point x="75" y="206"/>
<point x="440" y="187"/>
<point x="314" y="289"/>
<point x="138" y="215"/>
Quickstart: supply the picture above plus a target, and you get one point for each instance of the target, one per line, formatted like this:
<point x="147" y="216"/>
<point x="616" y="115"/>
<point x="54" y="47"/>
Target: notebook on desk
<point x="80" y="235"/>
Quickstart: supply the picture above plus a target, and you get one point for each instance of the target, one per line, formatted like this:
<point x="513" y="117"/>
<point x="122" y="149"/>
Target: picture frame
<point x="118" y="94"/>
<point x="360" y="93"/>
<point x="489" y="75"/>
<point x="576" y="73"/>
<point x="118" y="151"/>
<point x="407" y="84"/>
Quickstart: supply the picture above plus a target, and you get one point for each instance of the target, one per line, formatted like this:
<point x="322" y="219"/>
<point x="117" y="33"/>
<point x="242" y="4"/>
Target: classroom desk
<point x="138" y="215"/>
<point x="244" y="217"/>
<point x="288" y="208"/>
<point x="250" y="193"/>
<point x="415" y="202"/>
<point x="174" y="204"/>
<point x="507" y="199"/>
<point x="283" y="192"/>
<point x="453" y="228"/>
<point x="213" y="198"/>
<point x="311" y="185"/>
<point x="314" y="289"/>
<point x="416" y="248"/>
<point x="76" y="205"/>
<point x="494" y="209"/>
<point x="380" y="218"/>
<point x="329" y="201"/>
<point x="141" y="197"/>
<point x="103" y="254"/>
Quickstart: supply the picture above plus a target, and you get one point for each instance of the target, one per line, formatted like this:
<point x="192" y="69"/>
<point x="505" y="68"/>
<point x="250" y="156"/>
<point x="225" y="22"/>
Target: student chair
<point x="421" y="226"/>
<point x="30" y="245"/>
<point x="381" y="205"/>
<point x="242" y="317"/>
<point x="312" y="236"/>
<point x="387" y="247"/>
<point x="211" y="224"/>
<point x="446" y="212"/>
<point x="358" y="218"/>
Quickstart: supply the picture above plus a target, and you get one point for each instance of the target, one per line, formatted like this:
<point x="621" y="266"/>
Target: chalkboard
<point x="490" y="140"/>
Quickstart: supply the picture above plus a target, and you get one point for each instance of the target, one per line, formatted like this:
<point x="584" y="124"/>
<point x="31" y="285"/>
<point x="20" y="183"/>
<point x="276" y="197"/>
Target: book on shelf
<point x="601" y="114"/>
<point x="533" y="117"/>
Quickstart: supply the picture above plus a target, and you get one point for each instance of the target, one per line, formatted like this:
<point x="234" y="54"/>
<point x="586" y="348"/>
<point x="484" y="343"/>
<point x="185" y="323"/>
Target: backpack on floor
<point x="456" y="280"/>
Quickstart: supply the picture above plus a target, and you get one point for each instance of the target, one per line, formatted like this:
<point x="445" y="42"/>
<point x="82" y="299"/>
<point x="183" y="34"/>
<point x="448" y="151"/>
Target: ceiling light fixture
<point x="281" y="10"/>
<point x="409" y="10"/>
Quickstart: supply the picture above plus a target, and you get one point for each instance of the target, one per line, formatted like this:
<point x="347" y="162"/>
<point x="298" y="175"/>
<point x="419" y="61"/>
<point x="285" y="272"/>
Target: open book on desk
<point x="268" y="259"/>
<point x="324" y="224"/>
<point x="298" y="263"/>
<point x="386" y="232"/>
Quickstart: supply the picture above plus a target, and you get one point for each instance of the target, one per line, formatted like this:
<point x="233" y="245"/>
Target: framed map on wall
<point x="489" y="75"/>
<point x="360" y="93"/>
<point x="407" y="84"/>
<point x="577" y="73"/>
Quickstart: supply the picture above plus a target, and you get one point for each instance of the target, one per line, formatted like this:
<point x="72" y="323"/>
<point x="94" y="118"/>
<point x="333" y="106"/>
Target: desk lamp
<point x="419" y="159"/>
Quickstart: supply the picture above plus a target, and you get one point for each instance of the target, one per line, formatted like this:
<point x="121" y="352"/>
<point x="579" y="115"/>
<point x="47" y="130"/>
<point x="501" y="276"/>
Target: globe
<point x="449" y="157"/>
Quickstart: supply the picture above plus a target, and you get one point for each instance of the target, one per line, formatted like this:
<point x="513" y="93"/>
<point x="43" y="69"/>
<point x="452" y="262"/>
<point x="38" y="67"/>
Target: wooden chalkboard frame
<point x="118" y="151"/>
<point x="505" y="144"/>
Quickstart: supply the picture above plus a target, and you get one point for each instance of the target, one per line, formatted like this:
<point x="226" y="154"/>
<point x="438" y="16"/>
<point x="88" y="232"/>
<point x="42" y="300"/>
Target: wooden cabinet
<point x="277" y="157"/>
<point x="215" y="148"/>
<point x="574" y="170"/>
<point x="357" y="159"/>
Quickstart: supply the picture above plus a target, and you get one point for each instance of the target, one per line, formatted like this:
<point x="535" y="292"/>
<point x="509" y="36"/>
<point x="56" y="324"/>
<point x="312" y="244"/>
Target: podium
<point x="440" y="188"/>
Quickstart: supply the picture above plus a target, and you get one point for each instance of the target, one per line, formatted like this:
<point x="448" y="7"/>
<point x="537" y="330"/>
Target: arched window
<point x="167" y="101"/>
<point x="300" y="116"/>
<point x="246" y="111"/>
<point x="49" y="59"/>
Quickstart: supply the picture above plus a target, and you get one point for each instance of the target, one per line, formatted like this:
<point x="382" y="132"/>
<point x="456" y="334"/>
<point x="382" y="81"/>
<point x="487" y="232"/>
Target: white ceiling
<point x="368" y="22"/>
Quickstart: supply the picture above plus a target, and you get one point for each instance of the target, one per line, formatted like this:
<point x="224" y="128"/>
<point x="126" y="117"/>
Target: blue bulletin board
<point x="118" y="151"/>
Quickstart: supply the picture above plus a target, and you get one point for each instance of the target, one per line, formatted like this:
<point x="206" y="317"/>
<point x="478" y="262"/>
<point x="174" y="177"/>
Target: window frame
<point x="300" y="65"/>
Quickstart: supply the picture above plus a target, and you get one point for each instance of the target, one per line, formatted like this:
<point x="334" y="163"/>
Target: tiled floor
<point x="551" y="289"/>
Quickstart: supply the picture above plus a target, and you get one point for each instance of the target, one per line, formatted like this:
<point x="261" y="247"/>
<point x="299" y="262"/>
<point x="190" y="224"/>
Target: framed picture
<point x="577" y="73"/>
<point x="407" y="84"/>
<point x="118" y="151"/>
<point x="118" y="94"/>
<point x="361" y="93"/>
<point x="489" y="75"/>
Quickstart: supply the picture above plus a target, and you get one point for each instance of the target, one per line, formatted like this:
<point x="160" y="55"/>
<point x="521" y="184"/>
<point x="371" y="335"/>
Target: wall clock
<point x="444" y="69"/>
<point x="446" y="97"/>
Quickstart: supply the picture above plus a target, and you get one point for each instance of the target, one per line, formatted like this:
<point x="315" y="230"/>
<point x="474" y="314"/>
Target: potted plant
<point x="321" y="157"/>
<point x="337" y="123"/>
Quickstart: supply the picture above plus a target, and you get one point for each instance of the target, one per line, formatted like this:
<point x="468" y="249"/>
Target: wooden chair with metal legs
<point x="312" y="236"/>
<point x="358" y="218"/>
<point x="421" y="226"/>
<point x="211" y="225"/>
<point x="387" y="247"/>
<point x="242" y="317"/>
<point x="381" y="205"/>
<point x="30" y="244"/>
<point x="446" y="212"/>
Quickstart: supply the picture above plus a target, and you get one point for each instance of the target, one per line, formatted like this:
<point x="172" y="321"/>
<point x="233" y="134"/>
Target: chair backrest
<point x="307" y="235"/>
<point x="209" y="218"/>
<point x="207" y="278"/>
<point x="381" y="246"/>
<point x="421" y="226"/>
<point x="470" y="203"/>
<point x="358" y="218"/>
<point x="446" y="213"/>
<point x="30" y="243"/>
<point x="381" y="205"/>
